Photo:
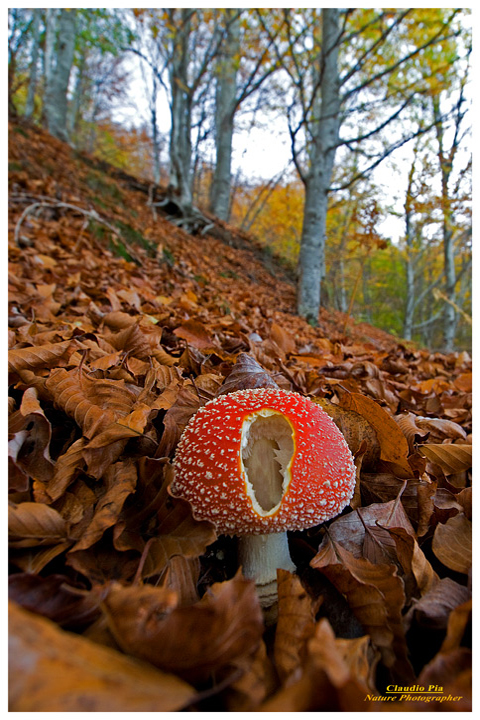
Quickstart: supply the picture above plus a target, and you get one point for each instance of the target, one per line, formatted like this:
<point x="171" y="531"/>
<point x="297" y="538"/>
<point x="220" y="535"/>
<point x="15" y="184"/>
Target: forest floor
<point x="121" y="325"/>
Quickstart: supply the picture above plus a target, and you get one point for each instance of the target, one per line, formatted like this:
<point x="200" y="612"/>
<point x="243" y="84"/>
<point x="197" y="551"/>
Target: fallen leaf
<point x="93" y="678"/>
<point x="452" y="543"/>
<point x="393" y="443"/>
<point x="195" y="641"/>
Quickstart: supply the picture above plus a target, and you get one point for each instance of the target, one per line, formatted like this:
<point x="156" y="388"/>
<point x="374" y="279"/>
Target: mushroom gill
<point x="267" y="451"/>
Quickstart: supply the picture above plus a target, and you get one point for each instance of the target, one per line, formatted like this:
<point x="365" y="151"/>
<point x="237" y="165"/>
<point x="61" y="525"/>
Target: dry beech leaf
<point x="458" y="621"/>
<point x="93" y="404"/>
<point x="67" y="468"/>
<point x="295" y="625"/>
<point x="195" y="641"/>
<point x="408" y="425"/>
<point x="196" y="334"/>
<point x="32" y="524"/>
<point x="30" y="445"/>
<point x="177" y="532"/>
<point x="441" y="428"/>
<point x="51" y="670"/>
<point x="283" y="339"/>
<point x="120" y="481"/>
<point x="54" y="598"/>
<point x="375" y="595"/>
<point x="451" y="458"/>
<point x="356" y="429"/>
<point x="393" y="443"/>
<point x="182" y="576"/>
<point x="452" y="543"/>
<point x="436" y="606"/>
<point x="246" y="373"/>
<point x="44" y="356"/>
<point x="257" y="681"/>
<point x="326" y="681"/>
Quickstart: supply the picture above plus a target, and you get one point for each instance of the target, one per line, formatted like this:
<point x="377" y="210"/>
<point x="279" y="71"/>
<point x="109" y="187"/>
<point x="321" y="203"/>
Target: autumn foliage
<point x="121" y="326"/>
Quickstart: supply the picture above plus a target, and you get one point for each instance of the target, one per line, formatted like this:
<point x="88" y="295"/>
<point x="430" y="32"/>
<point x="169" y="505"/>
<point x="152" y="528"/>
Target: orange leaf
<point x="393" y="443"/>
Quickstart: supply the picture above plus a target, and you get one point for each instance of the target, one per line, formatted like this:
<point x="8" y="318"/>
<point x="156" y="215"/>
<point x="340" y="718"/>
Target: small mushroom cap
<point x="318" y="476"/>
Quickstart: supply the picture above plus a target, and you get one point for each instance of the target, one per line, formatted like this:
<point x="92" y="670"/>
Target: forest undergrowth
<point x="121" y="325"/>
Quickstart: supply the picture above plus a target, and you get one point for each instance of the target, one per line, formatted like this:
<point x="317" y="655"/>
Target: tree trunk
<point x="317" y="182"/>
<point x="180" y="134"/>
<point x="450" y="316"/>
<point x="58" y="74"/>
<point x="409" y="261"/>
<point x="225" y="104"/>
<point x="32" y="82"/>
<point x="155" y="135"/>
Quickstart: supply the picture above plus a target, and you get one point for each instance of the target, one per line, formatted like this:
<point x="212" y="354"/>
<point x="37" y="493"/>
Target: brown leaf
<point x="451" y="458"/>
<point x="257" y="681"/>
<point x="54" y="598"/>
<point x="375" y="595"/>
<point x="93" y="678"/>
<point x="195" y="641"/>
<point x="408" y="425"/>
<point x="30" y="446"/>
<point x="246" y="373"/>
<point x="296" y="623"/>
<point x="443" y="429"/>
<point x="93" y="404"/>
<point x="435" y="607"/>
<point x="283" y="339"/>
<point x="393" y="444"/>
<point x="44" y="356"/>
<point x="177" y="532"/>
<point x="32" y="524"/>
<point x="67" y="468"/>
<point x="356" y="429"/>
<point x="120" y="481"/>
<point x="452" y="543"/>
<point x="326" y="682"/>
<point x="182" y="576"/>
<point x="196" y="334"/>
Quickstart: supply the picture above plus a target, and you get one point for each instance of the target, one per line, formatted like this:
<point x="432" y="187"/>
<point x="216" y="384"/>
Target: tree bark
<point x="32" y="81"/>
<point x="409" y="261"/>
<point x="450" y="316"/>
<point x="225" y="105"/>
<point x="58" y="71"/>
<point x="317" y="181"/>
<point x="180" y="183"/>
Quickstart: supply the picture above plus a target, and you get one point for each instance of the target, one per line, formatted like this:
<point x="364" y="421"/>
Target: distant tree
<point x="360" y="69"/>
<point x="32" y="82"/>
<point x="245" y="61"/>
<point x="59" y="53"/>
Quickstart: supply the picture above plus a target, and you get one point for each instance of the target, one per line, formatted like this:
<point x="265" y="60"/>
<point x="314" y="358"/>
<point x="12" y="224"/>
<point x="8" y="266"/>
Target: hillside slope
<point x="121" y="325"/>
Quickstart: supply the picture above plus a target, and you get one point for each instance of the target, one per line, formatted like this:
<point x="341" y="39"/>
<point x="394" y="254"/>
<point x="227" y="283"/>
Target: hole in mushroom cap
<point x="267" y="452"/>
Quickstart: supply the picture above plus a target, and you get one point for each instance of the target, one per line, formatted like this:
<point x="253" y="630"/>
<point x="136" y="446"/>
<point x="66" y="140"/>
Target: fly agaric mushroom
<point x="257" y="463"/>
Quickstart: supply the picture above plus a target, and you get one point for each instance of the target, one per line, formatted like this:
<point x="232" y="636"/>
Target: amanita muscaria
<point x="260" y="462"/>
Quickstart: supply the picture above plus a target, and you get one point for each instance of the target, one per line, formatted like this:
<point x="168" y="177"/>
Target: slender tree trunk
<point x="76" y="104"/>
<point x="450" y="316"/>
<point x="225" y="104"/>
<point x="325" y="141"/>
<point x="32" y="82"/>
<point x="51" y="17"/>
<point x="155" y="135"/>
<point x="58" y="76"/>
<point x="409" y="261"/>
<point x="180" y="183"/>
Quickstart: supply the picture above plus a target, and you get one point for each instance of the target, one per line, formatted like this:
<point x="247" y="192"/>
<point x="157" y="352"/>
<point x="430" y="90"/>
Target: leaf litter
<point x="113" y="583"/>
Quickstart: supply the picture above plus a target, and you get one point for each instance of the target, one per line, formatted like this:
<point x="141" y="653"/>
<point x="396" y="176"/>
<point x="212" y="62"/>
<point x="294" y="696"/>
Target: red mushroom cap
<point x="312" y="462"/>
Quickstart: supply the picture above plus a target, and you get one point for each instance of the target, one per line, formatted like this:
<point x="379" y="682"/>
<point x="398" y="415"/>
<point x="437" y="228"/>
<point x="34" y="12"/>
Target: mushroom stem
<point x="260" y="557"/>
